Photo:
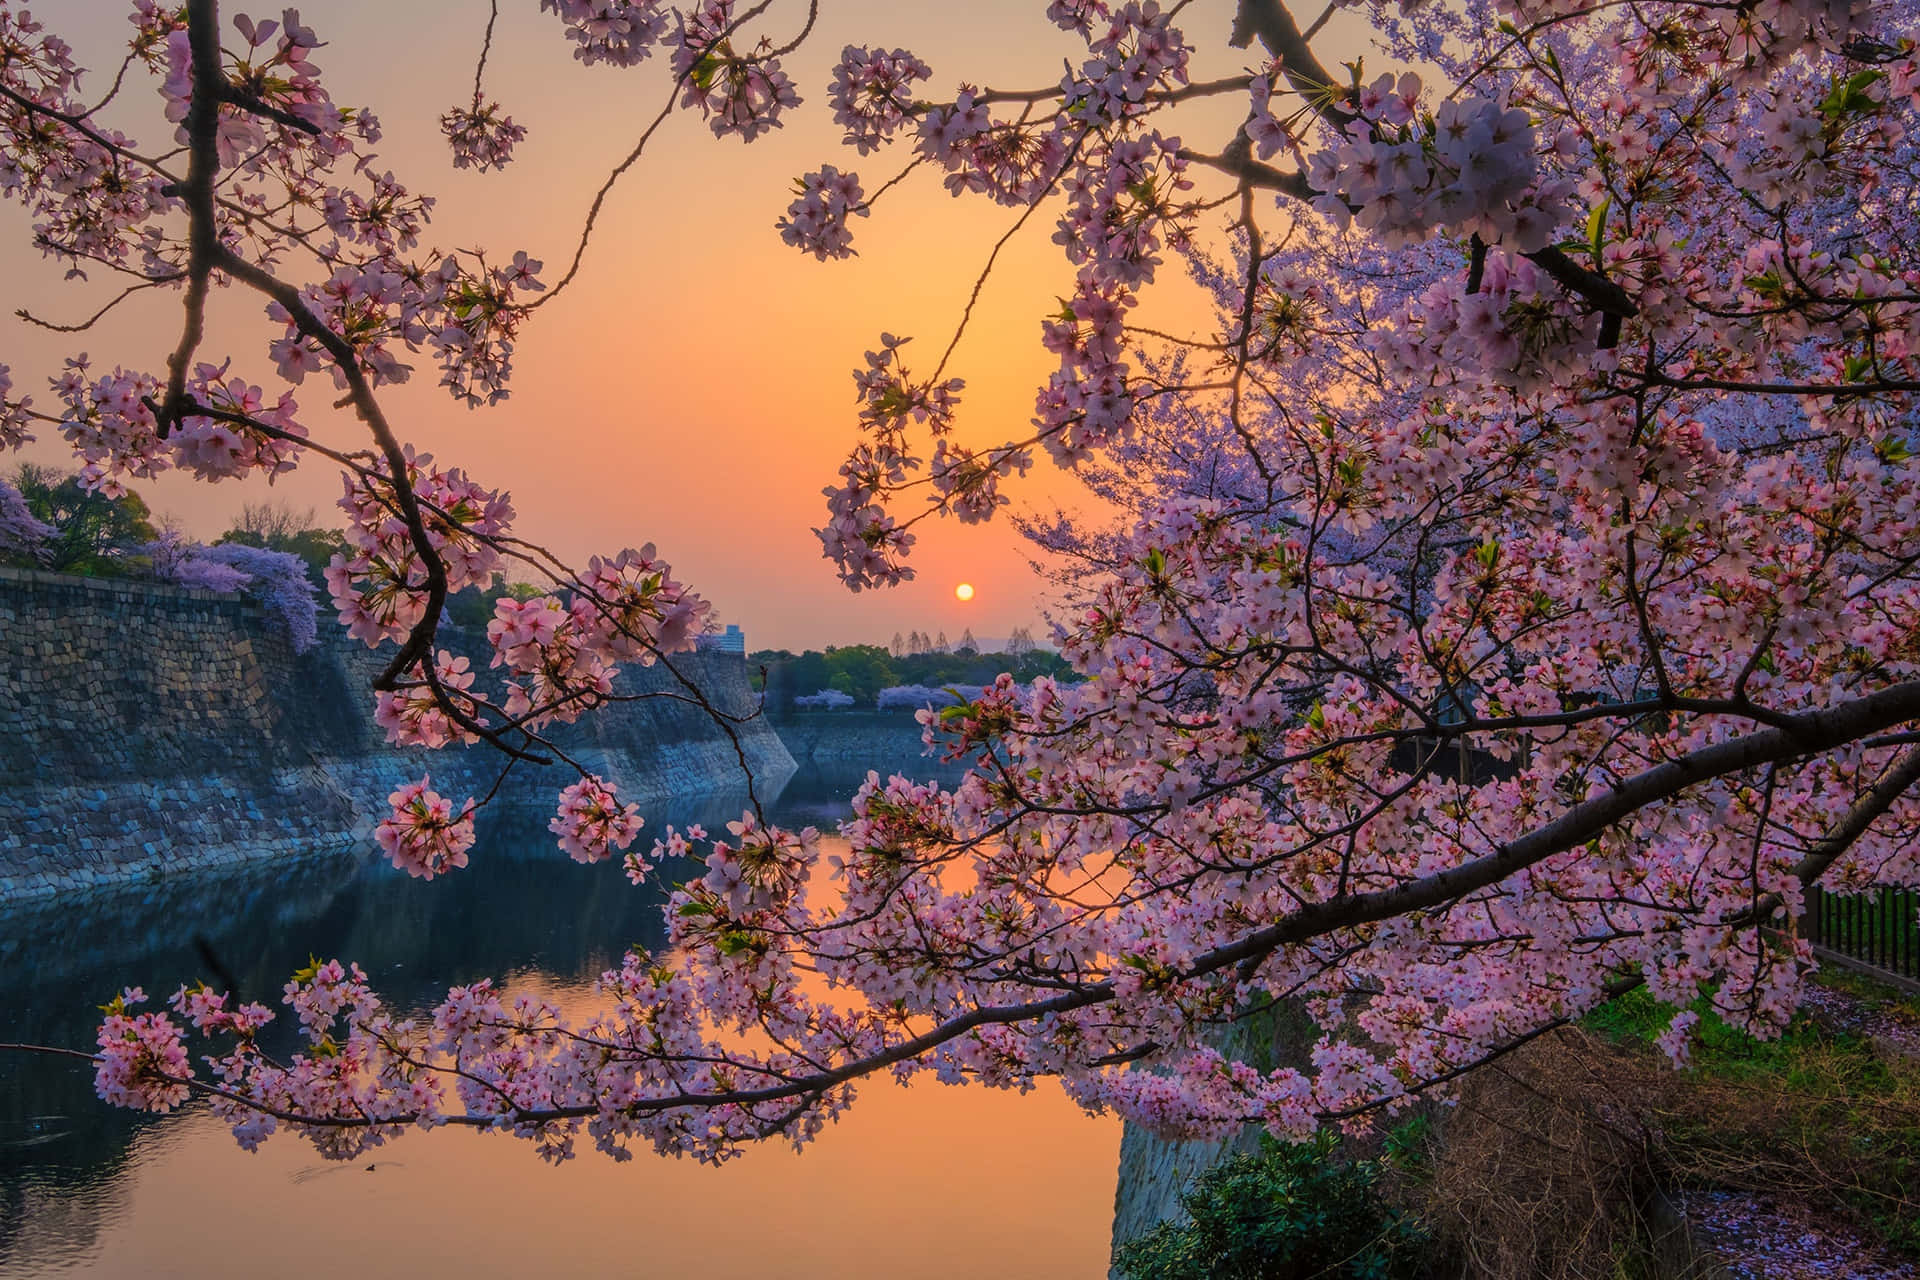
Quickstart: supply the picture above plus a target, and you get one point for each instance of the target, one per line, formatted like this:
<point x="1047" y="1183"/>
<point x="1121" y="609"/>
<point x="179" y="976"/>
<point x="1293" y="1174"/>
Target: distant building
<point x="732" y="640"/>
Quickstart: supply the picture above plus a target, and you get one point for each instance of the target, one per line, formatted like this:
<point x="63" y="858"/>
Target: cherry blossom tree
<point x="22" y="534"/>
<point x="1517" y="601"/>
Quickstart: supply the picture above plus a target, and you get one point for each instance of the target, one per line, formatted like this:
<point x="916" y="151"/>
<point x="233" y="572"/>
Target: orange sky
<point x="693" y="388"/>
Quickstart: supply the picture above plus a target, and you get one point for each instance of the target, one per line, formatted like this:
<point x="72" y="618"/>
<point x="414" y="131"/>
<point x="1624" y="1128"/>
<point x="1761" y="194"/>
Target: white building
<point x="732" y="640"/>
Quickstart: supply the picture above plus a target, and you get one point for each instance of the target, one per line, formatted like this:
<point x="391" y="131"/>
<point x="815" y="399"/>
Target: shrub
<point x="23" y="536"/>
<point x="279" y="581"/>
<point x="1288" y="1213"/>
<point x="185" y="564"/>
<point x="276" y="580"/>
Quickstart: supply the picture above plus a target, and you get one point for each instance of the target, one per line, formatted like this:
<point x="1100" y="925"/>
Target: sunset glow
<point x="1442" y="472"/>
<point x="691" y="427"/>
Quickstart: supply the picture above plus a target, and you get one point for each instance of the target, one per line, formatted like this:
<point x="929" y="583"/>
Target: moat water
<point x="923" y="1181"/>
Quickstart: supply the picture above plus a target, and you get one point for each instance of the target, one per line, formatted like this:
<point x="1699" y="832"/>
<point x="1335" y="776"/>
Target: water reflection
<point x="904" y="1186"/>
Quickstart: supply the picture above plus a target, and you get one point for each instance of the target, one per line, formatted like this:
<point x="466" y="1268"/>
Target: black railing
<point x="1878" y="932"/>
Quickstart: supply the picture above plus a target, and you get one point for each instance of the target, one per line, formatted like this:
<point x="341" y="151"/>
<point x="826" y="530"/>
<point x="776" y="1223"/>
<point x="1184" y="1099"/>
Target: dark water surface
<point x="925" y="1181"/>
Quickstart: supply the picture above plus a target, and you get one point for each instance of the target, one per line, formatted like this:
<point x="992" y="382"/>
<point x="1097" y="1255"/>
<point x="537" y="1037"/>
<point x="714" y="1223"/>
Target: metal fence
<point x="1876" y="932"/>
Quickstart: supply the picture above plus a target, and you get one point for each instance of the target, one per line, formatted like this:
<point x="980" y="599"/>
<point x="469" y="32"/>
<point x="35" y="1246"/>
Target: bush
<point x="280" y="582"/>
<point x="177" y="560"/>
<point x="23" y="537"/>
<point x="1288" y="1213"/>
<point x="276" y="580"/>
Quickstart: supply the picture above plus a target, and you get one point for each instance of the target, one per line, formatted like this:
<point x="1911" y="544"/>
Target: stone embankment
<point x="838" y="737"/>
<point x="1155" y="1170"/>
<point x="146" y="729"/>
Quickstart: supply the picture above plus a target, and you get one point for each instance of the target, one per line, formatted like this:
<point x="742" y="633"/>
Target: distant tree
<point x="269" y="521"/>
<point x="899" y="647"/>
<point x="868" y="668"/>
<point x="277" y="526"/>
<point x="916" y="643"/>
<point x="762" y="663"/>
<point x="1020" y="642"/>
<point x="941" y="645"/>
<point x="1042" y="662"/>
<point x="472" y="608"/>
<point x="967" y="643"/>
<point x="92" y="533"/>
<point x="23" y="536"/>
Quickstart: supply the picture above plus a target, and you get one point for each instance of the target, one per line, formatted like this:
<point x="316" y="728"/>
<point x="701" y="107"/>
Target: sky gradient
<point x="693" y="388"/>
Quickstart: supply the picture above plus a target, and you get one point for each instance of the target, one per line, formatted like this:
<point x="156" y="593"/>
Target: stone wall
<point x="1155" y="1170"/>
<point x="145" y="729"/>
<point x="851" y="735"/>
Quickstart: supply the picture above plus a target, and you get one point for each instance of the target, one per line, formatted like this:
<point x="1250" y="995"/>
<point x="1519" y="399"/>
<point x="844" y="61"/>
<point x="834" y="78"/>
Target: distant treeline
<point x="69" y="528"/>
<point x="861" y="671"/>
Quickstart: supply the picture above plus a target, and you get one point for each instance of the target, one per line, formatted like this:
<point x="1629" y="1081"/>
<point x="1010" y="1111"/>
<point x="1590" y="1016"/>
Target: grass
<point x="1551" y="1163"/>
<point x="1814" y="1114"/>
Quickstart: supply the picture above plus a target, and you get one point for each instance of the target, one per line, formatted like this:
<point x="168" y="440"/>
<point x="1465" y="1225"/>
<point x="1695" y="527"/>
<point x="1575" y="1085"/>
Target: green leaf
<point x="1597" y="226"/>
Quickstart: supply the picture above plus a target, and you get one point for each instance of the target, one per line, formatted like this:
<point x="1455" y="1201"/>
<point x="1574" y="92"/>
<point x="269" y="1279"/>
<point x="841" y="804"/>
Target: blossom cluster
<point x="15" y="419"/>
<point x="111" y="424"/>
<point x="1471" y="170"/>
<point x="860" y="536"/>
<point x="380" y="587"/>
<point x="1139" y="53"/>
<point x="143" y="1058"/>
<point x="619" y="32"/>
<point x="592" y="823"/>
<point x="423" y="836"/>
<point x="872" y="93"/>
<point x="482" y="136"/>
<point x="739" y="93"/>
<point x="817" y="219"/>
<point x="464" y="309"/>
<point x="422" y="713"/>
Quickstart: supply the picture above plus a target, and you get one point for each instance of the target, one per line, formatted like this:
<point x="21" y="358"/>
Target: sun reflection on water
<point x="916" y="1180"/>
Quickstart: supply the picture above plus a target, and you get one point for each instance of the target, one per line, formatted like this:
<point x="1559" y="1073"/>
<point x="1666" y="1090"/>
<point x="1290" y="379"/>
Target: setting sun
<point x="964" y="591"/>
